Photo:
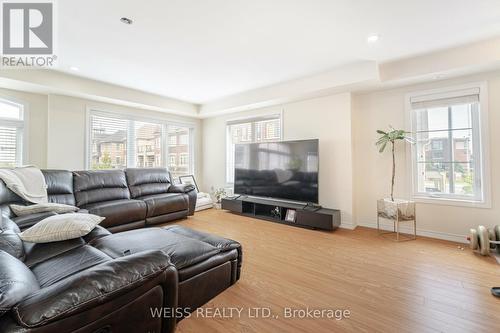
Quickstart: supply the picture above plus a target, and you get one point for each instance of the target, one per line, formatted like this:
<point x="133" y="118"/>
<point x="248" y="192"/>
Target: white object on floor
<point x="204" y="201"/>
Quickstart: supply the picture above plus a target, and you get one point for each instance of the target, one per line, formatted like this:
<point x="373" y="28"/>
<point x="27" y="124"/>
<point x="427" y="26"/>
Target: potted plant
<point x="218" y="195"/>
<point x="391" y="137"/>
<point x="390" y="208"/>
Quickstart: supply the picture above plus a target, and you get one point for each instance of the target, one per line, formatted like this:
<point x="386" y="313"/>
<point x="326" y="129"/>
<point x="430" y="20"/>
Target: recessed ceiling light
<point x="373" y="38"/>
<point x="74" y="68"/>
<point x="126" y="20"/>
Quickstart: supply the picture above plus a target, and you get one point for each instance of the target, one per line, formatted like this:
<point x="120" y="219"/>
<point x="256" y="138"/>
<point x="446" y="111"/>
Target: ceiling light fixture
<point x="126" y="20"/>
<point x="74" y="68"/>
<point x="373" y="38"/>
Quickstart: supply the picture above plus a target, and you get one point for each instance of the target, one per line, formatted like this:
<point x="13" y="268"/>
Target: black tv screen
<point x="282" y="170"/>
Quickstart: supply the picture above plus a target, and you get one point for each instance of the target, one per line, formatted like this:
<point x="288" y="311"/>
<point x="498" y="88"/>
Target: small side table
<point x="398" y="211"/>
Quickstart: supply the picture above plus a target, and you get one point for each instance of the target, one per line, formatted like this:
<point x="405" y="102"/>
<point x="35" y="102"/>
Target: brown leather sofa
<point x="107" y="282"/>
<point x="129" y="199"/>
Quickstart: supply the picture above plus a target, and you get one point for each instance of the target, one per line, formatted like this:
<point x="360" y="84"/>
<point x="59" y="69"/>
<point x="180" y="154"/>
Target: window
<point x="148" y="144"/>
<point x="171" y="160"/>
<point x="261" y="129"/>
<point x="448" y="155"/>
<point x="120" y="141"/>
<point x="12" y="118"/>
<point x="183" y="159"/>
<point x="179" y="148"/>
<point x="108" y="137"/>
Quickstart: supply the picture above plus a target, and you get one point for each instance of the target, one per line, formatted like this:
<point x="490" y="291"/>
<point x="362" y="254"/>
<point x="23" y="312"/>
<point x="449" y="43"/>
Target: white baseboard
<point x="347" y="225"/>
<point x="408" y="229"/>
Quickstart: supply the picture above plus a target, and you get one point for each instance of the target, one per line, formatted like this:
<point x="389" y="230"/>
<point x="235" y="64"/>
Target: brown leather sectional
<point x="112" y="282"/>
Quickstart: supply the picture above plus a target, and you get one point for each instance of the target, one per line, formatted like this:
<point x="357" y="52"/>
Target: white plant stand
<point x="398" y="211"/>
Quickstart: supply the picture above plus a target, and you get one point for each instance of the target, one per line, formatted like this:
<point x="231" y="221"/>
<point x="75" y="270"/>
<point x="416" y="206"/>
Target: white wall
<point x="36" y="106"/>
<point x="327" y="119"/>
<point x="67" y="128"/>
<point x="372" y="171"/>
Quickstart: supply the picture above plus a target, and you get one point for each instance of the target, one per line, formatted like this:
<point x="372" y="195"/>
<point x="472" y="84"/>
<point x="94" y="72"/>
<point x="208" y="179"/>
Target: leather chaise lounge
<point x="107" y="282"/>
<point x="110" y="282"/>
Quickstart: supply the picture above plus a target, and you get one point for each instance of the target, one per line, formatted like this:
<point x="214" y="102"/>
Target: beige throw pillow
<point x="61" y="227"/>
<point x="20" y="210"/>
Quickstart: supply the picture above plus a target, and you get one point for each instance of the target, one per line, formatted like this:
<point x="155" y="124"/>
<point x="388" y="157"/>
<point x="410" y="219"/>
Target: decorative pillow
<point x="20" y="210"/>
<point x="61" y="227"/>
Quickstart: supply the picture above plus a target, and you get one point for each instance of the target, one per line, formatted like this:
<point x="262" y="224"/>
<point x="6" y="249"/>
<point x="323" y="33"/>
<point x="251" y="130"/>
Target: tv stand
<point x="306" y="216"/>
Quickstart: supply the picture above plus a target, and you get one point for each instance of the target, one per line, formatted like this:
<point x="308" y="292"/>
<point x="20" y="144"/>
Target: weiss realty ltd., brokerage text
<point x="253" y="312"/>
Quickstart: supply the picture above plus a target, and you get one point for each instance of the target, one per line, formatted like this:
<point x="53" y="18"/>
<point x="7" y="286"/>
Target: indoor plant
<point x="391" y="137"/>
<point x="219" y="194"/>
<point x="398" y="209"/>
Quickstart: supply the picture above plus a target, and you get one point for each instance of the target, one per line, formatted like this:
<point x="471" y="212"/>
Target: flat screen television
<point x="282" y="170"/>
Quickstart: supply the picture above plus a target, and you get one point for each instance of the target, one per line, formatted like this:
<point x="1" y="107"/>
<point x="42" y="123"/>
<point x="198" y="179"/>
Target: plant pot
<point x="217" y="205"/>
<point x="399" y="209"/>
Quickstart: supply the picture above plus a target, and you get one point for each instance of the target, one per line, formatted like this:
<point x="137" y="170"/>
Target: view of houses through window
<point x="108" y="142"/>
<point x="116" y="142"/>
<point x="179" y="150"/>
<point x="148" y="145"/>
<point x="447" y="152"/>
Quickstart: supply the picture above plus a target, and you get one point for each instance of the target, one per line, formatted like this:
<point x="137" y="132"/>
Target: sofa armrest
<point x="181" y="188"/>
<point x="190" y="191"/>
<point x="94" y="286"/>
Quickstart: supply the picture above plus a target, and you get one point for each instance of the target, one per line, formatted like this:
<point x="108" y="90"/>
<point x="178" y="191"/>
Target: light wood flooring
<point x="425" y="285"/>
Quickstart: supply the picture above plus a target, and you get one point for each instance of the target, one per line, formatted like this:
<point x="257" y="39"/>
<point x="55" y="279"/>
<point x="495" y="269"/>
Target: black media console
<point x="276" y="211"/>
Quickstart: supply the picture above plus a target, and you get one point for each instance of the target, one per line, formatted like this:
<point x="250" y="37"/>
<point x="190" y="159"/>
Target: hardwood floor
<point x="417" y="286"/>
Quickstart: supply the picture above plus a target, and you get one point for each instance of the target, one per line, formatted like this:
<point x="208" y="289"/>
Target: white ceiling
<point x="202" y="50"/>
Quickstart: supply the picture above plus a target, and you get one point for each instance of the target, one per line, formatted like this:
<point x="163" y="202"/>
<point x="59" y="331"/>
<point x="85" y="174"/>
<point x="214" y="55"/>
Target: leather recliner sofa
<point x="129" y="199"/>
<point x="107" y="282"/>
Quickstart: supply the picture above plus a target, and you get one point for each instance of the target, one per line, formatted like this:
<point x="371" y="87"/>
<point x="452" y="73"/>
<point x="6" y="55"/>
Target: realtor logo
<point x="28" y="29"/>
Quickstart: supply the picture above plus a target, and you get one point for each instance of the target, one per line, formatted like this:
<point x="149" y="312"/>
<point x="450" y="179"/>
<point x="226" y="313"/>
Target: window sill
<point x="451" y="202"/>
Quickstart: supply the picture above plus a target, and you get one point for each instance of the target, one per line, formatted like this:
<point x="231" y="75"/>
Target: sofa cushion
<point x="36" y="253"/>
<point x="147" y="181"/>
<point x="61" y="227"/>
<point x="183" y="251"/>
<point x="165" y="203"/>
<point x="224" y="244"/>
<point x="68" y="263"/>
<point x="16" y="282"/>
<point x="118" y="212"/>
<point x="27" y="221"/>
<point x="99" y="185"/>
<point x="59" y="186"/>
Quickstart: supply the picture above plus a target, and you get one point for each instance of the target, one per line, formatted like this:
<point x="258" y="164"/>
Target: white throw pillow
<point x="61" y="227"/>
<point x="20" y="210"/>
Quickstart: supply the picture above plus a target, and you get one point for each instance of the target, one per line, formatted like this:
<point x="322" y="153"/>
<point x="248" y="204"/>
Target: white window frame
<point x="278" y="115"/>
<point x="481" y="135"/>
<point x="22" y="138"/>
<point x="165" y="123"/>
